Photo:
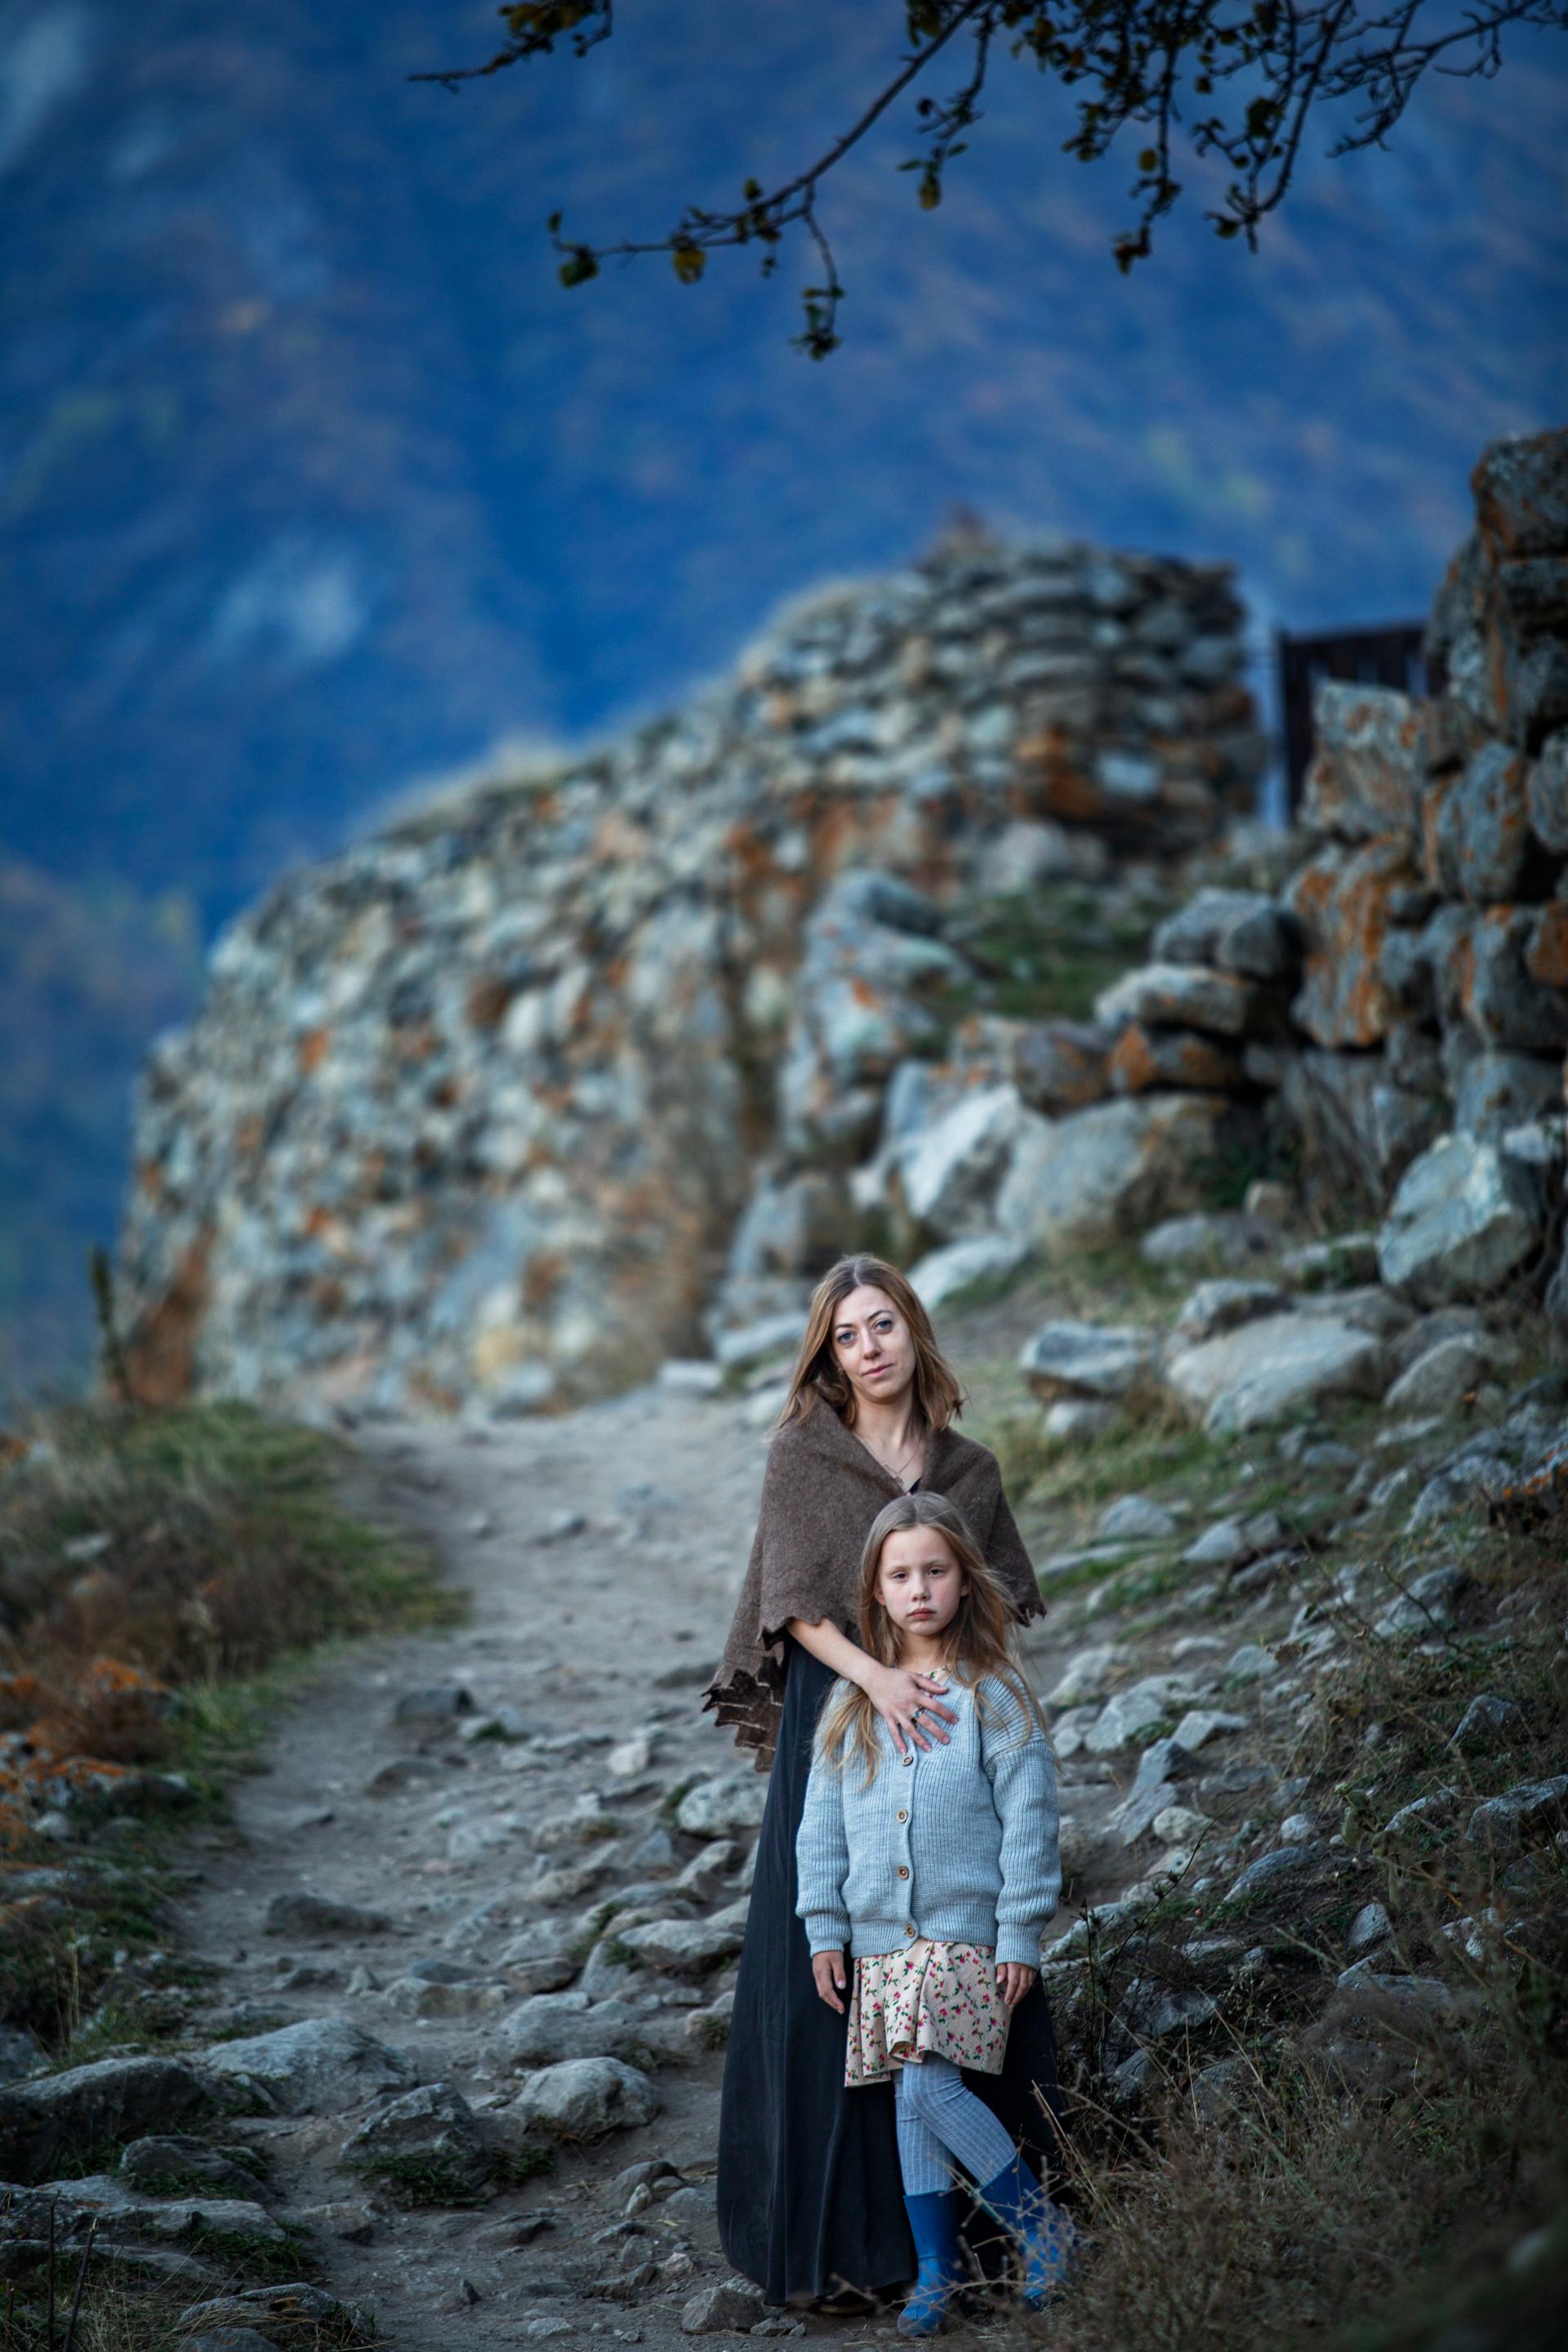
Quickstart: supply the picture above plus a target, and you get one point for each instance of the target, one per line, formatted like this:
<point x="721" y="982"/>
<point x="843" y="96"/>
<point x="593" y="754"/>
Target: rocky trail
<point x="465" y="1953"/>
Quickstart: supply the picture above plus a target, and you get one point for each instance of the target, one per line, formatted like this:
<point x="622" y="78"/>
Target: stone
<point x="946" y="1273"/>
<point x="1085" y="1676"/>
<point x="683" y="1945"/>
<point x="1530" y="1812"/>
<point x="629" y="1759"/>
<point x="320" y="1916"/>
<point x="1135" y="1519"/>
<point x="227" y="2339"/>
<point x="1060" y="1065"/>
<point x="1270" y="1370"/>
<point x="1372" y="1926"/>
<point x="1239" y="930"/>
<point x="1364" y="778"/>
<point x="950" y="1175"/>
<point x="1546" y="794"/>
<point x="1340" y="1263"/>
<point x="1490" y="978"/>
<point x="320" y="2066"/>
<point x="1222" y="1545"/>
<point x="1200" y="1725"/>
<point x="695" y="1376"/>
<point x="428" y="2141"/>
<point x="170" y="2163"/>
<point x="1144" y="1058"/>
<point x="46" y="2121"/>
<point x="280" y="2314"/>
<point x="584" y="2098"/>
<point x="1425" y="1606"/>
<point x="1209" y="1237"/>
<point x="433" y="1707"/>
<point x="723" y="1807"/>
<point x="1132" y="1712"/>
<point x="1485" y="1726"/>
<point x="1109" y="1170"/>
<point x="1480" y="844"/>
<point x="1181" y="996"/>
<point x="1521" y="505"/>
<point x="756" y="1343"/>
<point x="1224" y="1305"/>
<point x="1099" y="1361"/>
<point x="1274" y="1873"/>
<point x="19" y="2055"/>
<point x="1180" y="1825"/>
<point x="1250" y="1664"/>
<point x="1344" y="902"/>
<point x="732" y="2307"/>
<point x="1466" y="1217"/>
<point x="1500" y="1091"/>
<point x="1075" y="1420"/>
<point x="1441" y="1381"/>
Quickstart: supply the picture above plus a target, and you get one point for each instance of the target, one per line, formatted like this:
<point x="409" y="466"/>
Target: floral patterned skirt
<point x="938" y="1998"/>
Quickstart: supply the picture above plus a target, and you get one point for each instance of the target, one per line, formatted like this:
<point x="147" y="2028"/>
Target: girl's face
<point x="919" y="1582"/>
<point x="873" y="1346"/>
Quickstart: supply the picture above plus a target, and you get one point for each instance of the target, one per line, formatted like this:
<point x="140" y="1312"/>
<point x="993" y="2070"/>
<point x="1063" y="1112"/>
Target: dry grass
<point x="1359" y="2174"/>
<point x="155" y="1569"/>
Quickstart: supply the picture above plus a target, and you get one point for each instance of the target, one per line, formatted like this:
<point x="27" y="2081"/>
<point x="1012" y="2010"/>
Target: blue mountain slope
<point x="312" y="479"/>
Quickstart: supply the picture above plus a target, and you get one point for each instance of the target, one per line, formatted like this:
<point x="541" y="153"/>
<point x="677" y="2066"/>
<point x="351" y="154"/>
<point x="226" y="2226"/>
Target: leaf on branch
<point x="578" y="266"/>
<point x="930" y="191"/>
<point x="689" y="260"/>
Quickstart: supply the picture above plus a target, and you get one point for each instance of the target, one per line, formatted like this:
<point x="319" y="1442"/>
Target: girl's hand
<point x="828" y="1976"/>
<point x="910" y="1705"/>
<point x="1015" y="1979"/>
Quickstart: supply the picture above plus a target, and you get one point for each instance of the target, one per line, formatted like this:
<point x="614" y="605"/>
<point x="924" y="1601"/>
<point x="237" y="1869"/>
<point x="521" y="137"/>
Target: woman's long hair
<point x="819" y="1379"/>
<point x="977" y="1643"/>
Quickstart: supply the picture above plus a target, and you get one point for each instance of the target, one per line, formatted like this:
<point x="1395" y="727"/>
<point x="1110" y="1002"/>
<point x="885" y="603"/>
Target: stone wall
<point x="1391" y="1006"/>
<point x="471" y="1112"/>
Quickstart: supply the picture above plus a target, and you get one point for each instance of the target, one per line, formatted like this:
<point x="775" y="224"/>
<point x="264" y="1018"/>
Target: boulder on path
<point x="1530" y="1811"/>
<point x="1465" y="1216"/>
<point x="1223" y="1304"/>
<point x="320" y="1916"/>
<point x="1268" y="1370"/>
<point x="584" y="2098"/>
<point x="1135" y="1519"/>
<point x="1145" y="1058"/>
<point x="1132" y="1712"/>
<point x="554" y="2027"/>
<point x="47" y="2121"/>
<point x="1441" y="1379"/>
<point x="719" y="1808"/>
<point x="1059" y="1066"/>
<point x="1498" y="1090"/>
<point x="1110" y="1168"/>
<point x="297" y="2313"/>
<point x="320" y="2066"/>
<point x="1088" y="1359"/>
<point x="682" y="1946"/>
<point x="236" y="2228"/>
<point x="426" y="2142"/>
<point x="733" y="2307"/>
<point x="167" y="2164"/>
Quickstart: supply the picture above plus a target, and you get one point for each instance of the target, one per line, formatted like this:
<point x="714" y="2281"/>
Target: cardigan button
<point x="903" y="1870"/>
<point x="904" y="1814"/>
<point x="908" y="1927"/>
<point x="908" y="1756"/>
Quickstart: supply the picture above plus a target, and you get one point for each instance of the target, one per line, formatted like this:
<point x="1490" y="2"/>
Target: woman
<point x="808" y="2197"/>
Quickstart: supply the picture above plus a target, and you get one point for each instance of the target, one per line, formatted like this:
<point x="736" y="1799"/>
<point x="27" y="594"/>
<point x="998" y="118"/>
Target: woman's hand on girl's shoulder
<point x="828" y="1976"/>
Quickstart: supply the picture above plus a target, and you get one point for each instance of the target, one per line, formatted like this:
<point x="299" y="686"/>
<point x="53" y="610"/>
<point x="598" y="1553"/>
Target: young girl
<point x="938" y="1867"/>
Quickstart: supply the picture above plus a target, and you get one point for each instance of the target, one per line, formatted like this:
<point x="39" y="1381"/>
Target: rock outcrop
<point x="473" y="1111"/>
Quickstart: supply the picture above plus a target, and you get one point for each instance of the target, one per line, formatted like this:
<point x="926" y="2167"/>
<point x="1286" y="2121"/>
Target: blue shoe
<point x="1047" y="2240"/>
<point x="933" y="2224"/>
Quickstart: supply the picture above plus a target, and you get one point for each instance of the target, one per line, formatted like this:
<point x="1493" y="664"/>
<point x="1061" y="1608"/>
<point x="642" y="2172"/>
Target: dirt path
<point x="603" y="1553"/>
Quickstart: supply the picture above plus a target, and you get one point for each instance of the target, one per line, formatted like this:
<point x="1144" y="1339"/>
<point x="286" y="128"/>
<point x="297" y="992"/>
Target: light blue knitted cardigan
<point x="956" y="1842"/>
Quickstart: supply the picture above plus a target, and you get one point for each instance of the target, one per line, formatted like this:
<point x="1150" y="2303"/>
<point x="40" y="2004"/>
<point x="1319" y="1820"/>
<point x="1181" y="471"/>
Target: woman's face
<point x="873" y="1346"/>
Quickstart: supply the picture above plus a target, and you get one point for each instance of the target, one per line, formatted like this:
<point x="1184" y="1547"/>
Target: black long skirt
<point x="809" y="2193"/>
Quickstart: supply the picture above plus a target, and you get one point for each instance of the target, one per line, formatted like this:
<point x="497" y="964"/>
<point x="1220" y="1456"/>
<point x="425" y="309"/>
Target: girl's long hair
<point x="819" y="1379"/>
<point x="977" y="1643"/>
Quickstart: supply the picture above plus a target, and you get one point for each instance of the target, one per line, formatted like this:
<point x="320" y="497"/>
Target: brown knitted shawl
<point x="821" y="1490"/>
